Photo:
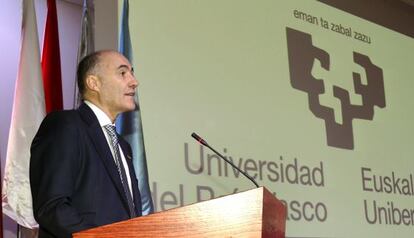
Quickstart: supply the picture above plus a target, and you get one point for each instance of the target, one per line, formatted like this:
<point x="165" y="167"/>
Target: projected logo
<point x="302" y="54"/>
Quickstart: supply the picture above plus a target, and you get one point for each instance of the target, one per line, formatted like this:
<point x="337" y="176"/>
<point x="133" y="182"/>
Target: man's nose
<point x="134" y="82"/>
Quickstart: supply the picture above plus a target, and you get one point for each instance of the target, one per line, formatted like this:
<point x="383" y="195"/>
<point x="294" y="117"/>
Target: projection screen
<point x="316" y="104"/>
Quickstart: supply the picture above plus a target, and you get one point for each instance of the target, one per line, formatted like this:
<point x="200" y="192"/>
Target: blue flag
<point x="130" y="127"/>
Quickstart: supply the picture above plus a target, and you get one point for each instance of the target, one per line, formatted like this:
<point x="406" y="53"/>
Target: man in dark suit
<point x="81" y="175"/>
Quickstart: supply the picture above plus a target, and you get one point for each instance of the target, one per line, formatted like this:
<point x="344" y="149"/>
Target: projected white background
<point x="222" y="69"/>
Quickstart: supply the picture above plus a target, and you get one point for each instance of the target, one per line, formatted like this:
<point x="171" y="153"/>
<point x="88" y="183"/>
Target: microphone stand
<point x="203" y="142"/>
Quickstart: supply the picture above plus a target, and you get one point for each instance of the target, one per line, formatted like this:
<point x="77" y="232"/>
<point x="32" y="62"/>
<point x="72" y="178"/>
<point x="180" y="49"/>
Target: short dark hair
<point x="85" y="67"/>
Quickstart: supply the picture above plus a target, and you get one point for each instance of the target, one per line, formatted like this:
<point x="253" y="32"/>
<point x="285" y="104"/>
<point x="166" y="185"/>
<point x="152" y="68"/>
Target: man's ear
<point x="93" y="83"/>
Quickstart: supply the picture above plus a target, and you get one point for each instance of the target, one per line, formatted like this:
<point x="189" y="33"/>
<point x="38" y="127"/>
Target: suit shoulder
<point x="64" y="115"/>
<point x="60" y="119"/>
<point x="61" y="113"/>
<point x="57" y="126"/>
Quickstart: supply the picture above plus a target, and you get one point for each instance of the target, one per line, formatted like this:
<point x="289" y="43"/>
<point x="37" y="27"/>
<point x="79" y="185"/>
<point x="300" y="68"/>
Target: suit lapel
<point x="97" y="136"/>
<point x="134" y="180"/>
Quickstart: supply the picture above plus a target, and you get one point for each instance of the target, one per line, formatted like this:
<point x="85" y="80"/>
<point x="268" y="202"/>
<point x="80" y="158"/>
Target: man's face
<point x="117" y="84"/>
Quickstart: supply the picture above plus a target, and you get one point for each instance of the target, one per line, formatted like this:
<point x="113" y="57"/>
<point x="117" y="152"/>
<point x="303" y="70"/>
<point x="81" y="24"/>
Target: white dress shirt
<point x="103" y="121"/>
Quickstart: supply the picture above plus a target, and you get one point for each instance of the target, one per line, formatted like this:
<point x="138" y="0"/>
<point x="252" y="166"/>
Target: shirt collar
<point x="102" y="117"/>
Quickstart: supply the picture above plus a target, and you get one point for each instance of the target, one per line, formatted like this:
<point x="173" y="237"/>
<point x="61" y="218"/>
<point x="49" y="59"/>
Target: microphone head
<point x="199" y="139"/>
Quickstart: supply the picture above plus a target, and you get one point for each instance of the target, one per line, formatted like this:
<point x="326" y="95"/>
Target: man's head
<point x="106" y="78"/>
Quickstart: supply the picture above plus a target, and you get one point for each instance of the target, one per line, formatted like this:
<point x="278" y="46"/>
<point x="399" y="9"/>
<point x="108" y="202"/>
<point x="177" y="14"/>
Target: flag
<point x="130" y="127"/>
<point x="27" y="114"/>
<point x="86" y="45"/>
<point x="52" y="81"/>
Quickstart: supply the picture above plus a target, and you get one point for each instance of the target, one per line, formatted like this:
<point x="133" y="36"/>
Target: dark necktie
<point x="120" y="167"/>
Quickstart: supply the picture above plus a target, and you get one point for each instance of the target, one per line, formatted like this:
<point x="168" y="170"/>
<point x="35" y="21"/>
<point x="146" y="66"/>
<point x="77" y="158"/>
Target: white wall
<point x="106" y="24"/>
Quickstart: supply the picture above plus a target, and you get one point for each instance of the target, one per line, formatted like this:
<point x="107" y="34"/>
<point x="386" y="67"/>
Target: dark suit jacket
<point x="73" y="177"/>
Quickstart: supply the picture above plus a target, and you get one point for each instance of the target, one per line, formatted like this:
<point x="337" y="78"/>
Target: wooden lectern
<point x="253" y="213"/>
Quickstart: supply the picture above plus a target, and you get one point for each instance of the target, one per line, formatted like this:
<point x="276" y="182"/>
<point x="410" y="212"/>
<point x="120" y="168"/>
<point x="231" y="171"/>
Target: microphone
<point x="203" y="142"/>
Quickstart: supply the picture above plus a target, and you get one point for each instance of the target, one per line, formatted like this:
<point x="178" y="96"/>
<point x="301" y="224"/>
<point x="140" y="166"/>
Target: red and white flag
<point x="28" y="112"/>
<point x="52" y="77"/>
